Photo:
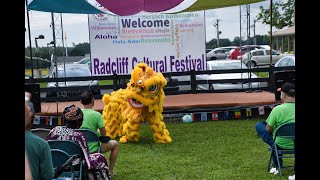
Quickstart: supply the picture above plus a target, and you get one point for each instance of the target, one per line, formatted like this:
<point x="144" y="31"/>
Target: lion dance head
<point x="126" y="109"/>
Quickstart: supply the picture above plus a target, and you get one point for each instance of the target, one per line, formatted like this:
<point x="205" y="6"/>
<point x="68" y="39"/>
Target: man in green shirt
<point x="37" y="150"/>
<point x="281" y="114"/>
<point x="93" y="120"/>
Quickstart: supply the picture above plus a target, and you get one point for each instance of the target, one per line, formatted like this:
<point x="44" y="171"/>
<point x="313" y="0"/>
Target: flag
<point x="59" y="120"/>
<point x="215" y="116"/>
<point x="261" y="110"/>
<point x="226" y="115"/>
<point x="62" y="120"/>
<point x="248" y="112"/>
<point x="36" y="120"/>
<point x="237" y="114"/>
<point x="204" y="116"/>
<point x="273" y="105"/>
<point x="193" y="115"/>
<point x="48" y="120"/>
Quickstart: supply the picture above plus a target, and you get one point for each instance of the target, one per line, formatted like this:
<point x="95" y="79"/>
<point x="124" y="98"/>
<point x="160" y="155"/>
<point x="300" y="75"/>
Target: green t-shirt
<point x="282" y="114"/>
<point x="39" y="155"/>
<point x="92" y="120"/>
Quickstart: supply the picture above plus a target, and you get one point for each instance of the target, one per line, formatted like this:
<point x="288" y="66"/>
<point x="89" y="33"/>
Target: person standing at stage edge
<point x="281" y="114"/>
<point x="93" y="120"/>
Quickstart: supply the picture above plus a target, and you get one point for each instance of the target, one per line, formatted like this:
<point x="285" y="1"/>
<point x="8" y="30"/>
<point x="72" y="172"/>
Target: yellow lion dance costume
<point x="126" y="109"/>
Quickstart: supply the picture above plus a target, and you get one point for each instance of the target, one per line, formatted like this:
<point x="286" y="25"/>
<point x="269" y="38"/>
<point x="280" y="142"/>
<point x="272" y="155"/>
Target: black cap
<point x="288" y="88"/>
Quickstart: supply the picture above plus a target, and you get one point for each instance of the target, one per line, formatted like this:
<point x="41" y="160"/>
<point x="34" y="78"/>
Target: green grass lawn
<point x="202" y="150"/>
<point x="262" y="74"/>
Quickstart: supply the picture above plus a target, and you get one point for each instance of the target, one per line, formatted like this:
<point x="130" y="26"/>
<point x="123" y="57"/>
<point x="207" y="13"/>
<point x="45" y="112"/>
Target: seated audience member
<point x="27" y="171"/>
<point x="95" y="162"/>
<point x="28" y="115"/>
<point x="37" y="150"/>
<point x="279" y="115"/>
<point x="93" y="120"/>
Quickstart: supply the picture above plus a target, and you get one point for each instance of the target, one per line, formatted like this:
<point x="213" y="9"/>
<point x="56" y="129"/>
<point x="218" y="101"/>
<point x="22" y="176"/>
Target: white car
<point x="286" y="61"/>
<point x="221" y="65"/>
<point x="71" y="70"/>
<point x="219" y="53"/>
<point x="261" y="57"/>
<point x="224" y="65"/>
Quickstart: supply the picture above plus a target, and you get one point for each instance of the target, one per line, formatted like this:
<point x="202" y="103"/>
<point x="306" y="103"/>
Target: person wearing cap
<point x="95" y="162"/>
<point x="38" y="154"/>
<point x="281" y="114"/>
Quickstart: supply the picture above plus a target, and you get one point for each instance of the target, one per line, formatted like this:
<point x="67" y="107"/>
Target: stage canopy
<point x="130" y="7"/>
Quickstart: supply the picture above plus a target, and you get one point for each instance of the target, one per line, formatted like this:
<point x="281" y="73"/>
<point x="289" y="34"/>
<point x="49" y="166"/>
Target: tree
<point x="263" y="39"/>
<point x="236" y="41"/>
<point x="282" y="14"/>
<point x="80" y="49"/>
<point x="222" y="42"/>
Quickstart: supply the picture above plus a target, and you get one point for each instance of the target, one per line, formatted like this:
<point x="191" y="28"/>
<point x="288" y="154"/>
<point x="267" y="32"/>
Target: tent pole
<point x="55" y="62"/>
<point x="270" y="32"/>
<point x="29" y="33"/>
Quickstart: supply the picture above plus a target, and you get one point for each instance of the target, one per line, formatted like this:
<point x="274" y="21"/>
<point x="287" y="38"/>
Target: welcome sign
<point x="166" y="42"/>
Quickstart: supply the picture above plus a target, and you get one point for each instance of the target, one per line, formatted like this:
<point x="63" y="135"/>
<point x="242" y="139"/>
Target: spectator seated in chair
<point x="281" y="114"/>
<point x="94" y="162"/>
<point x="38" y="154"/>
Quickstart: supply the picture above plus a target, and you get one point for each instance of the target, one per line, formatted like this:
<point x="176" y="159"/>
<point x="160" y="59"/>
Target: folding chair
<point x="41" y="132"/>
<point x="284" y="131"/>
<point x="73" y="149"/>
<point x="91" y="137"/>
<point x="60" y="161"/>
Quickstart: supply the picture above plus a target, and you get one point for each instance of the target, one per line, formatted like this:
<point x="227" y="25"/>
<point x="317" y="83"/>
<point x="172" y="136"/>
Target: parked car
<point x="71" y="70"/>
<point x="217" y="53"/>
<point x="286" y="61"/>
<point x="221" y="65"/>
<point x="86" y="60"/>
<point x="242" y="50"/>
<point x="261" y="57"/>
<point x="224" y="65"/>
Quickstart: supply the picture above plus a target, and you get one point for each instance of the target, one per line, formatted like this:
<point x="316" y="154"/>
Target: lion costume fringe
<point x="126" y="109"/>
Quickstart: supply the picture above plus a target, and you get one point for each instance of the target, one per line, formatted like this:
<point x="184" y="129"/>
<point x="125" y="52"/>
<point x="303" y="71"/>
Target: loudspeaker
<point x="34" y="89"/>
<point x="281" y="78"/>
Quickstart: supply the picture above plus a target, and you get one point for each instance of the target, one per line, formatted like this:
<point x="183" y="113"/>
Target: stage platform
<point x="184" y="103"/>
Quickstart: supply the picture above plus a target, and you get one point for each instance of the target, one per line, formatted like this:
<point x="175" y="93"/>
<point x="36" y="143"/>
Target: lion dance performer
<point x="126" y="109"/>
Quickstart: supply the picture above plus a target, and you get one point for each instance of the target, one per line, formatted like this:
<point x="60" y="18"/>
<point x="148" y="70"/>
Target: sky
<point x="75" y="26"/>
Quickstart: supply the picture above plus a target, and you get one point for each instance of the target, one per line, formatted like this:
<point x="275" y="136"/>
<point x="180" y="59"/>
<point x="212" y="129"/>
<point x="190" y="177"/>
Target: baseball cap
<point x="288" y="88"/>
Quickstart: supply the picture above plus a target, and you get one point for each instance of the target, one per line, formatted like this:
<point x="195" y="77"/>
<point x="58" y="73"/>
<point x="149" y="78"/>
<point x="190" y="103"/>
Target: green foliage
<point x="263" y="39"/>
<point x="45" y="52"/>
<point x="213" y="43"/>
<point x="236" y="41"/>
<point x="41" y="63"/>
<point x="80" y="49"/>
<point x="203" y="150"/>
<point x="282" y="14"/>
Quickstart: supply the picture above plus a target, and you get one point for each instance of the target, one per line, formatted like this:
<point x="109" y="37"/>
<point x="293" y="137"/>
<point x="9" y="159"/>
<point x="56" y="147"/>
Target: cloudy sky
<point x="76" y="25"/>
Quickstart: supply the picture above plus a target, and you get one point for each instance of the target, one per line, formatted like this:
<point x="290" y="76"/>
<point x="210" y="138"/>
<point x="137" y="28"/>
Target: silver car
<point x="85" y="60"/>
<point x="260" y="57"/>
<point x="221" y="65"/>
<point x="286" y="61"/>
<point x="217" y="53"/>
<point x="71" y="70"/>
